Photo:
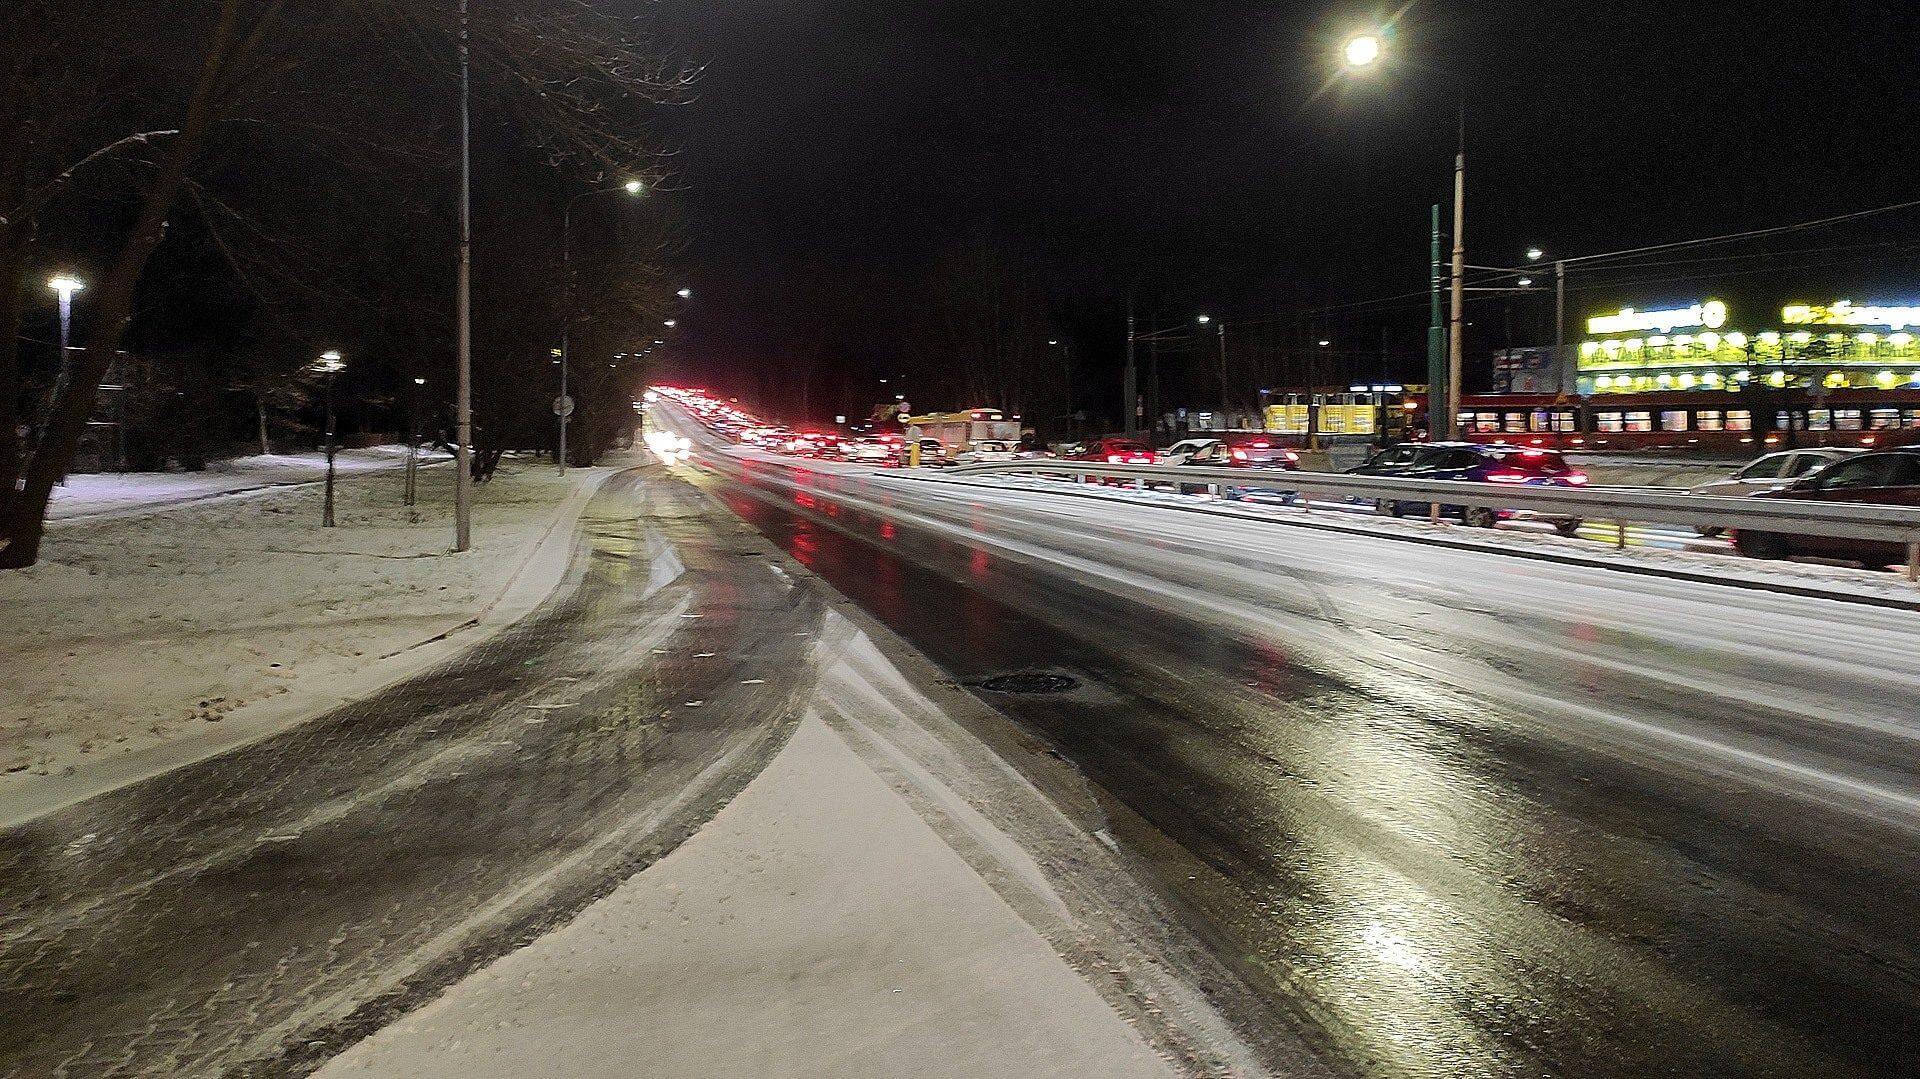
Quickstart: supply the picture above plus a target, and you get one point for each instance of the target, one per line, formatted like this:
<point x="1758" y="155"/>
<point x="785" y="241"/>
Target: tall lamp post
<point x="63" y="285"/>
<point x="329" y="364"/>
<point x="563" y="405"/>
<point x="1366" y="51"/>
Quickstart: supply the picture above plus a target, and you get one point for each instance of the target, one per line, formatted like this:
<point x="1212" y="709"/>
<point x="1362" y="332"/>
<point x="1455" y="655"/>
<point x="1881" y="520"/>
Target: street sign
<point x="563" y="407"/>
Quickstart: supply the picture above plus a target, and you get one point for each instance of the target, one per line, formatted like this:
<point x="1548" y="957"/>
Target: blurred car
<point x="1116" y="451"/>
<point x="1767" y="473"/>
<point x="870" y="450"/>
<point x="1473" y="462"/>
<point x="1886" y="478"/>
<point x="933" y="453"/>
<point x="1216" y="453"/>
<point x="988" y="450"/>
<point x="815" y="444"/>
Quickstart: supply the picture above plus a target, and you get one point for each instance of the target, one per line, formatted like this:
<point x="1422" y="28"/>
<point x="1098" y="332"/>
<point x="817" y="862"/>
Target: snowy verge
<point x="143" y="643"/>
<point x="100" y="495"/>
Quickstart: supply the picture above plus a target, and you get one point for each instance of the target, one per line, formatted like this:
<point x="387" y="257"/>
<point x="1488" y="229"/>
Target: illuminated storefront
<point x="1814" y="349"/>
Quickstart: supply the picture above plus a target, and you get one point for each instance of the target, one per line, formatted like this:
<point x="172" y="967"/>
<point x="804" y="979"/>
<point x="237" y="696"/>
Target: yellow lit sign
<point x="1712" y="315"/>
<point x="1845" y="313"/>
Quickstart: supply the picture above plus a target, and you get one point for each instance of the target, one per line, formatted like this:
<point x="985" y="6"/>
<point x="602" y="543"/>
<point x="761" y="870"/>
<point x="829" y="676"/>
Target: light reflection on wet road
<point x="1446" y="824"/>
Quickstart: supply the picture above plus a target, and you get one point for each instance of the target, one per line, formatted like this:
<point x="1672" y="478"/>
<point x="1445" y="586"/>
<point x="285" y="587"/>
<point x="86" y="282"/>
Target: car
<point x="1474" y="462"/>
<point x="933" y="453"/>
<point x="1767" y="473"/>
<point x="988" y="450"/>
<point x="871" y="450"/>
<point x="1885" y="478"/>
<point x="1116" y="451"/>
<point x="1258" y="453"/>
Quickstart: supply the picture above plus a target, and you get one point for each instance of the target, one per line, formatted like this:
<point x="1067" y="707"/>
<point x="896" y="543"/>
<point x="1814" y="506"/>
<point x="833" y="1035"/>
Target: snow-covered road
<point x="1459" y="812"/>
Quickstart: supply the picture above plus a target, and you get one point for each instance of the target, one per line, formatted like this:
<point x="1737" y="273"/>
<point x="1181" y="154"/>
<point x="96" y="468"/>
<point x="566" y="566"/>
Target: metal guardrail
<point x="1637" y="505"/>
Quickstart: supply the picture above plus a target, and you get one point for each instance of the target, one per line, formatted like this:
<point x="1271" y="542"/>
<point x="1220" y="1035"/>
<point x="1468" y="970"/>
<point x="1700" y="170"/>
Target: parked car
<point x="988" y="450"/>
<point x="1886" y="478"/>
<point x="1494" y="463"/>
<point x="1767" y="473"/>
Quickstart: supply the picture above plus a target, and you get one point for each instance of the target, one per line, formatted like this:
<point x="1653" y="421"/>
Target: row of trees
<point x="249" y="182"/>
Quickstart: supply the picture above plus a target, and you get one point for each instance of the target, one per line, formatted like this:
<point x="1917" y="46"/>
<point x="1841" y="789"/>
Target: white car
<point x="1767" y="473"/>
<point x="870" y="450"/>
<point x="988" y="450"/>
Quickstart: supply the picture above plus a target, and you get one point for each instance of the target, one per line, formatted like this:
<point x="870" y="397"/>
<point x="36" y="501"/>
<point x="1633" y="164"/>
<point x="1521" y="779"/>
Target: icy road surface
<point x="1453" y="813"/>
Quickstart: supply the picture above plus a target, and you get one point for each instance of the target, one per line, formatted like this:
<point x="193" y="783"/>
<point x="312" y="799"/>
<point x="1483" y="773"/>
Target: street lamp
<point x="671" y="323"/>
<point x="1534" y="254"/>
<point x="685" y="294"/>
<point x="329" y="364"/>
<point x="1362" y="51"/>
<point x="65" y="285"/>
<point x="1365" y="51"/>
<point x="563" y="405"/>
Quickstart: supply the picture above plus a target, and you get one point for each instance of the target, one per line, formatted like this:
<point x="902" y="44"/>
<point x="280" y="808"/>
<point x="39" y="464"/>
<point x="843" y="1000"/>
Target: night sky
<point x="1193" y="155"/>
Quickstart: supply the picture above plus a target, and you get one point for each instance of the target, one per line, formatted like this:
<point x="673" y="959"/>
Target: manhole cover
<point x="1029" y="682"/>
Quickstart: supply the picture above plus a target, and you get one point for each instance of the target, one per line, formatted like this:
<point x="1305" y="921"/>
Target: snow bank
<point x="138" y="631"/>
<point x="123" y="493"/>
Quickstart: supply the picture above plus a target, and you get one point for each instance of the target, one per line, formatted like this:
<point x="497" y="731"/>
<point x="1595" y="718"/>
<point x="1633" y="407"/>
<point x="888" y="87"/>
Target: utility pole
<point x="1436" y="343"/>
<point x="1562" y="363"/>
<point x="560" y="405"/>
<point x="463" y="368"/>
<point x="1130" y="383"/>
<point x="1455" y="339"/>
<point x="1220" y="331"/>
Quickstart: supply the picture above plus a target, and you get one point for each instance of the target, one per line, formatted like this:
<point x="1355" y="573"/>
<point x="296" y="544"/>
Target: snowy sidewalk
<point x="816" y="927"/>
<point x="102" y="495"/>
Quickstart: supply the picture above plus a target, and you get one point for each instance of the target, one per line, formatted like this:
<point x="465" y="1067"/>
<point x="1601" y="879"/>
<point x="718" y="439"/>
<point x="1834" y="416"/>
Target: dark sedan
<point x="1887" y="478"/>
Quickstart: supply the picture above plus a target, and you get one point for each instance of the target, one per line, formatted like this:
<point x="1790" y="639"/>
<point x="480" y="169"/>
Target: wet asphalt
<point x="253" y="913"/>
<point x="1448" y="814"/>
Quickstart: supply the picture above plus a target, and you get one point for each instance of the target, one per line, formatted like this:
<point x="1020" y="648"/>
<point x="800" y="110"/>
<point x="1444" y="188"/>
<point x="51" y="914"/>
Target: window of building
<point x="1566" y="422"/>
<point x="1674" y="420"/>
<point x="1516" y="422"/>
<point x="1819" y="419"/>
<point x="1640" y="421"/>
<point x="1846" y="419"/>
<point x="1739" y="419"/>
<point x="1883" y="419"/>
<point x="1911" y="416"/>
<point x="1610" y="422"/>
<point x="1539" y="420"/>
<point x="1709" y="419"/>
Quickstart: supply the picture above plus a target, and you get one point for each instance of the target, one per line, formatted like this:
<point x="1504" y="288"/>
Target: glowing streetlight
<point x="1204" y="319"/>
<point x="1534" y="254"/>
<point x="685" y="294"/>
<point x="1362" y="50"/>
<point x="633" y="187"/>
<point x="1526" y="282"/>
<point x="329" y="364"/>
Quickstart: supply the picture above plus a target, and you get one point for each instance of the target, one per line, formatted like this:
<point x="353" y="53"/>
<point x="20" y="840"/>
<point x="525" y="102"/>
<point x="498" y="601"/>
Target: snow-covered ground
<point x="184" y="628"/>
<point x="116" y="494"/>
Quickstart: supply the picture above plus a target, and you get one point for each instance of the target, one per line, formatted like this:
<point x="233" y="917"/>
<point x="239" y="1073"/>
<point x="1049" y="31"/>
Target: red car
<point x="1116" y="451"/>
<point x="1887" y="478"/>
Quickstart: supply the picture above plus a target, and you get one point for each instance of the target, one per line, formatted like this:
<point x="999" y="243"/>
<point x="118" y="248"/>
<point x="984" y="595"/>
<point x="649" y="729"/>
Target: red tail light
<point x="1506" y="477"/>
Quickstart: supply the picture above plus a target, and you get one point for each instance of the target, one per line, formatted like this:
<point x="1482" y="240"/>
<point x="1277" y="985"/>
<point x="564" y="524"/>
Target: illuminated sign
<point x="1844" y="313"/>
<point x="1711" y="314"/>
